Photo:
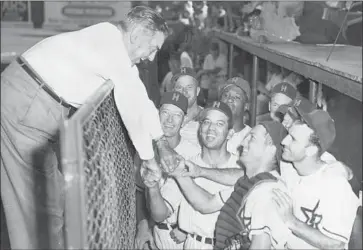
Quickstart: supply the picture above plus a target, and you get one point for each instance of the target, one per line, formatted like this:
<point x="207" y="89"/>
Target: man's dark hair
<point x="148" y="18"/>
<point x="314" y="140"/>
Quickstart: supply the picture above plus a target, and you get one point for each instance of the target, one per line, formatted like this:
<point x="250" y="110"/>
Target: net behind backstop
<point x="99" y="175"/>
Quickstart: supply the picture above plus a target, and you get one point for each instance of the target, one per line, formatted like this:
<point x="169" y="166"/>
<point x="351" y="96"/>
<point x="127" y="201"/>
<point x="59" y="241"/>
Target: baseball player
<point x="288" y="172"/>
<point x="281" y="93"/>
<point x="163" y="196"/>
<point x="254" y="225"/>
<point x="215" y="130"/>
<point x="185" y="82"/>
<point x="236" y="94"/>
<point x="317" y="219"/>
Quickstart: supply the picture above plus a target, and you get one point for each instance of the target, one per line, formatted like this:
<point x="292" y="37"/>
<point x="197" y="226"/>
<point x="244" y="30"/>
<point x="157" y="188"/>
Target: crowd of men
<point x="204" y="178"/>
<point x="236" y="187"/>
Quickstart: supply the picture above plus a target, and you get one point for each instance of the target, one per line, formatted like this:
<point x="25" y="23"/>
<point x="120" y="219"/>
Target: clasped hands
<point x="151" y="171"/>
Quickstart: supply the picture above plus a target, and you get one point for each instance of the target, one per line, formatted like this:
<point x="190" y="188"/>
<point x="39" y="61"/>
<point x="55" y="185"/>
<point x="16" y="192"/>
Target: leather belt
<point x="164" y="226"/>
<point x="42" y="84"/>
<point x="210" y="241"/>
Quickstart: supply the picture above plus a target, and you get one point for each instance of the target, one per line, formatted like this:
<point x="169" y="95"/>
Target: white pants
<point x="192" y="244"/>
<point x="163" y="240"/>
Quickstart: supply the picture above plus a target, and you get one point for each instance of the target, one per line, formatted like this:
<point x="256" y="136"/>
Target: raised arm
<point x="227" y="176"/>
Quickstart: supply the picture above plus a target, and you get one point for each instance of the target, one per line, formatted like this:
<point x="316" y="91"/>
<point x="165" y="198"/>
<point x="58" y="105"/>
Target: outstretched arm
<point x="200" y="199"/>
<point x="226" y="176"/>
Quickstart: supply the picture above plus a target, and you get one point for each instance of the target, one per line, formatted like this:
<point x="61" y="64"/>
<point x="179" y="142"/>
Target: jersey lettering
<point x="312" y="218"/>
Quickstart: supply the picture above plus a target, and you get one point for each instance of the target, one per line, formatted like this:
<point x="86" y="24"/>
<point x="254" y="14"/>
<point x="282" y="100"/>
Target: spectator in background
<point x="174" y="65"/>
<point x="185" y="51"/>
<point x="214" y="70"/>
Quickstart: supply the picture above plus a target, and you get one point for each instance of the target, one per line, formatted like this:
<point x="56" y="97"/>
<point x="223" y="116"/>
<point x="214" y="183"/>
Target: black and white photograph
<point x="158" y="125"/>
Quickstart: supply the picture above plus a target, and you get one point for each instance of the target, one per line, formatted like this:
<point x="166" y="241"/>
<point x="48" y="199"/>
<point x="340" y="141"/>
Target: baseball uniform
<point x="189" y="131"/>
<point x="324" y="202"/>
<point x="247" y="205"/>
<point x="236" y="140"/>
<point x="200" y="227"/>
<point x="290" y="175"/>
<point x="170" y="192"/>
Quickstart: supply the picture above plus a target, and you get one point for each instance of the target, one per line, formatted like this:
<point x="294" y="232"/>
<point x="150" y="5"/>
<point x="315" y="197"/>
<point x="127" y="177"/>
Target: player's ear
<point x="311" y="150"/>
<point x="269" y="106"/>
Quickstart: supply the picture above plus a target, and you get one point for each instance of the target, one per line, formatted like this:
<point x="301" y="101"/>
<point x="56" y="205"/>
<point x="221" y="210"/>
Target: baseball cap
<point x="221" y="106"/>
<point x="184" y="71"/>
<point x="239" y="82"/>
<point x="322" y="124"/>
<point x="277" y="132"/>
<point x="286" y="89"/>
<point x="299" y="102"/>
<point x="176" y="99"/>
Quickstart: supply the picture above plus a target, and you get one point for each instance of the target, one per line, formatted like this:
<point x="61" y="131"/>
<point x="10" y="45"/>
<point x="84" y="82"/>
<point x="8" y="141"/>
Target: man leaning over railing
<point x="42" y="87"/>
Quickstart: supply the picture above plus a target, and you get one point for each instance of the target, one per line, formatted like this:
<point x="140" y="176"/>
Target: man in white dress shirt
<point x="39" y="90"/>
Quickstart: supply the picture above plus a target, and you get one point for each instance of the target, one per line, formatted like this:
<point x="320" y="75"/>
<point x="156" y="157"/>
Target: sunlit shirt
<point x="76" y="64"/>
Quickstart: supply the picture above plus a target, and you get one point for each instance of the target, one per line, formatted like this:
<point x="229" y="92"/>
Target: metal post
<point x="313" y="90"/>
<point x="254" y="91"/>
<point x="230" y="69"/>
<point x="29" y="11"/>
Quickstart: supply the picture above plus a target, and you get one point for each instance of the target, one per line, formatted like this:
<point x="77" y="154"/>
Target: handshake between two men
<point x="171" y="164"/>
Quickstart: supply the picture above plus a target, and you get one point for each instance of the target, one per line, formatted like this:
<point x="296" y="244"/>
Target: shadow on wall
<point x="347" y="114"/>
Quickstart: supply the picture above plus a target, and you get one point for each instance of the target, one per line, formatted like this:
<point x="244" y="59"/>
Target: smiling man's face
<point x="214" y="129"/>
<point x="171" y="119"/>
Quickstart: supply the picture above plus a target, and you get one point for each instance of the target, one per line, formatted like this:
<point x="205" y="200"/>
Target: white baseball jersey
<point x="259" y="215"/>
<point x="190" y="132"/>
<point x="290" y="175"/>
<point x="236" y="140"/>
<point x="172" y="195"/>
<point x="194" y="222"/>
<point x="324" y="202"/>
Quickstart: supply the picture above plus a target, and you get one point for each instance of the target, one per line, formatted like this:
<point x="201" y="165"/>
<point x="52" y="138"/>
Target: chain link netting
<point x="109" y="175"/>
